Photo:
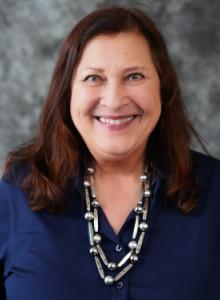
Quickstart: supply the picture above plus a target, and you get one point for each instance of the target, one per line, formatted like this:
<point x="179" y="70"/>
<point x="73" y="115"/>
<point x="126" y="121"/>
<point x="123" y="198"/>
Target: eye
<point x="92" y="78"/>
<point x="135" y="76"/>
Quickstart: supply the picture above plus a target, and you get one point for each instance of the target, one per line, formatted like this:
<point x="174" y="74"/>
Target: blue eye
<point x="135" y="76"/>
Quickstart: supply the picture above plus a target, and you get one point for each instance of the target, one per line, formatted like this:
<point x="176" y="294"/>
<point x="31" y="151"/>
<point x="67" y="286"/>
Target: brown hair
<point x="52" y="157"/>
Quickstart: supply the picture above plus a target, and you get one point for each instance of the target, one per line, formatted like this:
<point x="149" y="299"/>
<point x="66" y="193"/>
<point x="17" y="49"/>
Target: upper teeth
<point x="115" y="121"/>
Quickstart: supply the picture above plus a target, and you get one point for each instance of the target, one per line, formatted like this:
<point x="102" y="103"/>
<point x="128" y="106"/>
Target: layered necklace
<point x="106" y="267"/>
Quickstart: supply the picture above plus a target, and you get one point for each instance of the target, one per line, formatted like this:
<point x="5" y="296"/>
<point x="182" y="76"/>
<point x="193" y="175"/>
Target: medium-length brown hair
<point x="54" y="154"/>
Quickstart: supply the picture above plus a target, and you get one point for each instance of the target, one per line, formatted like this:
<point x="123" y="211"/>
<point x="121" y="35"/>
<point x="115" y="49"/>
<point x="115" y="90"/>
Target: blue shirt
<point x="46" y="256"/>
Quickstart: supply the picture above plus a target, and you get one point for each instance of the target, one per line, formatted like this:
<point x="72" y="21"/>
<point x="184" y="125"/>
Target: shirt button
<point x="118" y="248"/>
<point x="119" y="285"/>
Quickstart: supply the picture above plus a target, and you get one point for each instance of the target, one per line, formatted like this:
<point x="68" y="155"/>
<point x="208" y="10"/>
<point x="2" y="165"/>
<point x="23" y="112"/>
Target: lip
<point x="116" y="123"/>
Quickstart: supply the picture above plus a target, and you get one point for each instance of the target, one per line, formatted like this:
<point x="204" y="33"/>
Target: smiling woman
<point x="116" y="103"/>
<point x="108" y="201"/>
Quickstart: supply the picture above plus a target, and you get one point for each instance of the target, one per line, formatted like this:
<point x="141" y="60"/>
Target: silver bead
<point x="97" y="238"/>
<point x="89" y="216"/>
<point x="143" y="178"/>
<point x="86" y="183"/>
<point x="112" y="266"/>
<point x="147" y="193"/>
<point x="138" y="209"/>
<point x="132" y="245"/>
<point x="90" y="171"/>
<point x="143" y="226"/>
<point x="108" y="280"/>
<point x="95" y="203"/>
<point x="134" y="258"/>
<point x="93" y="251"/>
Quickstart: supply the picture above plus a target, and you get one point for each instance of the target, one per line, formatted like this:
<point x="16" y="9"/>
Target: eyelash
<point x="91" y="77"/>
<point x="140" y="76"/>
<point x="129" y="77"/>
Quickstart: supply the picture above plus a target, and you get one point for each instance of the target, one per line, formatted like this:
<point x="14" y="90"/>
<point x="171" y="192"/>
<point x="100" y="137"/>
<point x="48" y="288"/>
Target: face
<point x="115" y="101"/>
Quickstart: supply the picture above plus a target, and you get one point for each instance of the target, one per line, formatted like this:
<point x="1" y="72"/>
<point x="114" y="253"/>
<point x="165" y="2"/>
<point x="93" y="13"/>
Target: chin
<point x="117" y="154"/>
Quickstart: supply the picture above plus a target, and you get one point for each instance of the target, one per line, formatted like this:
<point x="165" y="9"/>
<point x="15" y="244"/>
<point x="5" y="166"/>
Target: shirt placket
<point x="115" y="247"/>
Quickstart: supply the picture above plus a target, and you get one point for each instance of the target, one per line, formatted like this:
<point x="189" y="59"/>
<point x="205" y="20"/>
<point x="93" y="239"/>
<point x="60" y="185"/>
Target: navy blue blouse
<point x="46" y="256"/>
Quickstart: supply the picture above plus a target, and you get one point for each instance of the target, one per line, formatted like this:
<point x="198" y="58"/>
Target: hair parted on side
<point x="53" y="155"/>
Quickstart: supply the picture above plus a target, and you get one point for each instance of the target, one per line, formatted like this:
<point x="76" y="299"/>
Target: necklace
<point x="95" y="238"/>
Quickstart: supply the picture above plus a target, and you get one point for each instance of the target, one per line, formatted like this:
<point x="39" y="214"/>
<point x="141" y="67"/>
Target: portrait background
<point x="31" y="32"/>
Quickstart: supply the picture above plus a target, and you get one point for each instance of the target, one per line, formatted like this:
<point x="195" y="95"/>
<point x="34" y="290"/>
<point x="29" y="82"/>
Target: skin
<point x="115" y="105"/>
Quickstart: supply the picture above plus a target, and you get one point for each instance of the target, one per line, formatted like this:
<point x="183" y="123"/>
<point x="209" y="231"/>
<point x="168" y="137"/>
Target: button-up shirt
<point x="46" y="256"/>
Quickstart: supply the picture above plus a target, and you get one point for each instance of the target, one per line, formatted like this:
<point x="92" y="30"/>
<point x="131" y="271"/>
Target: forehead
<point x="120" y="47"/>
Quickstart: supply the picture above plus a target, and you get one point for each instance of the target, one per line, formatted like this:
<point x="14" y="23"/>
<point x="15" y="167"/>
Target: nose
<point x="114" y="95"/>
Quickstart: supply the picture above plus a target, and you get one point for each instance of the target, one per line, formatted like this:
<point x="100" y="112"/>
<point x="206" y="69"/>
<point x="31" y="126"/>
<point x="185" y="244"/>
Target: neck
<point x="119" y="168"/>
<point x="118" y="189"/>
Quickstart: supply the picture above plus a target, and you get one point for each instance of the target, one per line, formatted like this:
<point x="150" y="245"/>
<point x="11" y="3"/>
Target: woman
<point x="108" y="201"/>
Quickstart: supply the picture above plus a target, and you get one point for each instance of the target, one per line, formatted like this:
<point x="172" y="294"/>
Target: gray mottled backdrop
<point x="30" y="35"/>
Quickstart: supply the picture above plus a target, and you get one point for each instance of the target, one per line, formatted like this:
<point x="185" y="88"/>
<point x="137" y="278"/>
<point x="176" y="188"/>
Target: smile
<point x="115" y="121"/>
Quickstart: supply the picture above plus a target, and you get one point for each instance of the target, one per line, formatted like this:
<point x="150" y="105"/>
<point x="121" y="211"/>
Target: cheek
<point x="84" y="101"/>
<point x="147" y="97"/>
<point x="80" y="111"/>
<point x="149" y="103"/>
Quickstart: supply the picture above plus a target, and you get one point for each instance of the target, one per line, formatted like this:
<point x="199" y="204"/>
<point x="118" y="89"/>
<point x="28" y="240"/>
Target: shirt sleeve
<point x="5" y="226"/>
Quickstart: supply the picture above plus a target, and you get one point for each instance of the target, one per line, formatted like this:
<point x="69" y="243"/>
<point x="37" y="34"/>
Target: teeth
<point x="115" y="121"/>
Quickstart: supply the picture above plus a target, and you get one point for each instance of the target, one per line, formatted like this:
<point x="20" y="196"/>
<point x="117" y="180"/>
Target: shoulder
<point x="206" y="167"/>
<point x="14" y="212"/>
<point x="9" y="195"/>
<point x="13" y="200"/>
<point x="207" y="173"/>
<point x="16" y="173"/>
<point x="11" y="182"/>
<point x="205" y="159"/>
<point x="9" y="190"/>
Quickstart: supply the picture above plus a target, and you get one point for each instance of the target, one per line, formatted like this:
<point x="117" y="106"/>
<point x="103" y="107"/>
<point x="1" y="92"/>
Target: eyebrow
<point x="130" y="69"/>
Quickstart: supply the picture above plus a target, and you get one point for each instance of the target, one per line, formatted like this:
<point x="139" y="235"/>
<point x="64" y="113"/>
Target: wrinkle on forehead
<point x="102" y="52"/>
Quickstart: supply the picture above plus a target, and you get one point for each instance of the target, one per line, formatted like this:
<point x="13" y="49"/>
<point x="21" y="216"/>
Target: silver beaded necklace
<point x="95" y="239"/>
